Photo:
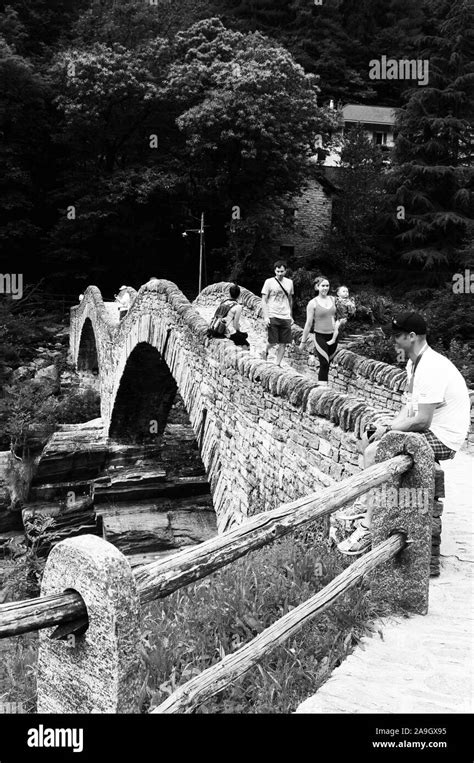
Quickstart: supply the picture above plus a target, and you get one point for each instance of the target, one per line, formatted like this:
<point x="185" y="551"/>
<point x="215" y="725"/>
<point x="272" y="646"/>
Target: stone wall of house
<point x="311" y="223"/>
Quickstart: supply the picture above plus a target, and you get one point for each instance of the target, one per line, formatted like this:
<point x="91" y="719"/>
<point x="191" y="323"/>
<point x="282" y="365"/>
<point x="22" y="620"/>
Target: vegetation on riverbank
<point x="197" y="626"/>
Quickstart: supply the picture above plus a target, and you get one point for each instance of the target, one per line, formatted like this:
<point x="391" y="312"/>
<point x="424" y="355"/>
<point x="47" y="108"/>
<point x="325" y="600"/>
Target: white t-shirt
<point x="437" y="380"/>
<point x="278" y="303"/>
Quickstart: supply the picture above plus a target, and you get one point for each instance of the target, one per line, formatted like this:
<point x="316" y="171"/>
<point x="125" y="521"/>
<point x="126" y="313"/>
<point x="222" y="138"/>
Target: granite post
<point x="404" y="503"/>
<point x="100" y="671"/>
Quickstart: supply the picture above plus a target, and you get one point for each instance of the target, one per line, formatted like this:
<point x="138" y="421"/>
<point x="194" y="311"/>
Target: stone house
<point x="308" y="221"/>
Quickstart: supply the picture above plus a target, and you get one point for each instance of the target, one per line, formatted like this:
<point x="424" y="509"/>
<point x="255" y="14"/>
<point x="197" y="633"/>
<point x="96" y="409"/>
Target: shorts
<point x="279" y="331"/>
<point x="440" y="450"/>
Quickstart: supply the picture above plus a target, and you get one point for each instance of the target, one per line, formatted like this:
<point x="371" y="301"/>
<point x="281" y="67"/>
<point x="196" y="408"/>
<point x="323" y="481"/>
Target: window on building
<point x="290" y="215"/>
<point x="380" y="138"/>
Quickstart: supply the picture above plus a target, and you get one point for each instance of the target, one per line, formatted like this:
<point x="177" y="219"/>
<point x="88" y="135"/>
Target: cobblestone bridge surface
<point x="422" y="664"/>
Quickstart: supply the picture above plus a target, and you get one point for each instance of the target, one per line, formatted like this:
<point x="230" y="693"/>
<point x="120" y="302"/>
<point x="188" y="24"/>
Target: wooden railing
<point x="160" y="579"/>
<point x="106" y="596"/>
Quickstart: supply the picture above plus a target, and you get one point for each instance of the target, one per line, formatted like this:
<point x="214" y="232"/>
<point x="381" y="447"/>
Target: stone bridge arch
<point x="145" y="395"/>
<point x="87" y="359"/>
<point x="267" y="435"/>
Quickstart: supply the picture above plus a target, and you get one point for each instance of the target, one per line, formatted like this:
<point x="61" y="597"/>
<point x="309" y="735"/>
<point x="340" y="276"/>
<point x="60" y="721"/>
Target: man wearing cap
<point x="437" y="406"/>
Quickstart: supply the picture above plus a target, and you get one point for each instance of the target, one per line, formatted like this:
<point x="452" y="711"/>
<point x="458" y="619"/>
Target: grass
<point x="197" y="626"/>
<point x="18" y="662"/>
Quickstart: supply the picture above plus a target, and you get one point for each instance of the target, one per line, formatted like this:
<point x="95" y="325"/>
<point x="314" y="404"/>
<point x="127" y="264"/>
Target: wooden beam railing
<point x="216" y="678"/>
<point x="160" y="579"/>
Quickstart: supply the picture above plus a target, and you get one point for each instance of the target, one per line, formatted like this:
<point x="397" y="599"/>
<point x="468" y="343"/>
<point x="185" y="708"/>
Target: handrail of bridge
<point x="159" y="579"/>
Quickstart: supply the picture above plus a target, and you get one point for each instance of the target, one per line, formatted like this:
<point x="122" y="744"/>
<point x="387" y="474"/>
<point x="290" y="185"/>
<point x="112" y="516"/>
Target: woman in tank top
<point x="321" y="322"/>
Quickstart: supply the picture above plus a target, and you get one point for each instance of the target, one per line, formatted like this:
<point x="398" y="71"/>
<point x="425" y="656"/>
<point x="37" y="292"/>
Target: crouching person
<point x="225" y="323"/>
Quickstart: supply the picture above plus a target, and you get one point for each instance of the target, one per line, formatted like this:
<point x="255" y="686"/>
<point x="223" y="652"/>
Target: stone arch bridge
<point x="266" y="434"/>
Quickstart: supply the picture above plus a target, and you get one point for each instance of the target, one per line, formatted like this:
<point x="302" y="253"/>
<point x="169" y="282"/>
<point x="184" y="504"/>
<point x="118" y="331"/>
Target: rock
<point x="40" y="363"/>
<point x="21" y="373"/>
<point x="60" y="522"/>
<point x="130" y="484"/>
<point x="49" y="372"/>
<point x="47" y="379"/>
<point x="73" y="454"/>
<point x="150" y="527"/>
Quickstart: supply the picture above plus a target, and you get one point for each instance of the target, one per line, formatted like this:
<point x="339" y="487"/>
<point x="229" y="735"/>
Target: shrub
<point x="78" y="407"/>
<point x="379" y="348"/>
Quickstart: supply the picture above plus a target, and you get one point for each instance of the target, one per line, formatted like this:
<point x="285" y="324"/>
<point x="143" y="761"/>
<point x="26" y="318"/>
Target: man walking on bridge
<point x="437" y="406"/>
<point x="277" y="306"/>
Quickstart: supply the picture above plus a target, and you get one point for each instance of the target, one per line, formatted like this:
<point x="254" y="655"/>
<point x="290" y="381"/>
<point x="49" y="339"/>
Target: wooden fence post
<point x="404" y="503"/>
<point x="100" y="671"/>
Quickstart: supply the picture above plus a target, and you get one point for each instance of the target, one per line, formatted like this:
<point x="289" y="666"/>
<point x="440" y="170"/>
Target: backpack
<point x="217" y="326"/>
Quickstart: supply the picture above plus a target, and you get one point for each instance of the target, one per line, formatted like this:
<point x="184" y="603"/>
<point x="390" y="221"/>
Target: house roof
<point x="381" y="115"/>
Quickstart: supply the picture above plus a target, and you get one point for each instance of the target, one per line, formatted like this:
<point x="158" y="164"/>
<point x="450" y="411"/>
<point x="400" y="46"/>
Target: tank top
<point x="324" y="317"/>
<point x="229" y="320"/>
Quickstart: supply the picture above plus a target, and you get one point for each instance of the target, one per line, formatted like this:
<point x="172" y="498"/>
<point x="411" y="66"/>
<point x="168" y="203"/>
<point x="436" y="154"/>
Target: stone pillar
<point x="101" y="671"/>
<point x="437" y="524"/>
<point x="404" y="503"/>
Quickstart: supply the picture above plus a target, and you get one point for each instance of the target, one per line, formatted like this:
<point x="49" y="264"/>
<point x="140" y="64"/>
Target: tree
<point x="132" y="22"/>
<point x="249" y="113"/>
<point x="234" y="118"/>
<point x="433" y="181"/>
<point x="41" y="25"/>
<point x="336" y="39"/>
<point x="24" y="152"/>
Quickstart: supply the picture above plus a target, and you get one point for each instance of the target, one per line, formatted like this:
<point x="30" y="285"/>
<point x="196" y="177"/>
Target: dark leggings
<point x="325" y="354"/>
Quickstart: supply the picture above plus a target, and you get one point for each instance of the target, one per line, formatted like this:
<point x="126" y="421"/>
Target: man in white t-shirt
<point x="277" y="306"/>
<point x="437" y="406"/>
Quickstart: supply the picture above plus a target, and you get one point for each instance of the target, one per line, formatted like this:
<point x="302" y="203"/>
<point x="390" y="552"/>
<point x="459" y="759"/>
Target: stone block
<point x="403" y="582"/>
<point x="101" y="671"/>
<point x="325" y="448"/>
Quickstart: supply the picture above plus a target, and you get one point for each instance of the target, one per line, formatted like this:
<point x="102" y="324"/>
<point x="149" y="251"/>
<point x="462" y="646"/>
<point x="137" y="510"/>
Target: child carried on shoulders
<point x="345" y="309"/>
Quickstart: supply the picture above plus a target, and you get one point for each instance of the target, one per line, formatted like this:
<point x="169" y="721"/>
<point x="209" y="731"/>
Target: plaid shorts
<point x="440" y="450"/>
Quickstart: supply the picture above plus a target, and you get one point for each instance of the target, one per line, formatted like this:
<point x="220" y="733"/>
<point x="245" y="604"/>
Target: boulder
<point x="21" y="373"/>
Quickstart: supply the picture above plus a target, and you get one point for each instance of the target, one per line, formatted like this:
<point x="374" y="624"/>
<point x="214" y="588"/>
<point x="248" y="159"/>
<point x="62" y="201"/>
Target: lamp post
<point x="201" y="246"/>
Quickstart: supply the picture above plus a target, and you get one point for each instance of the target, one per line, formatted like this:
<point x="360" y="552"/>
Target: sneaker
<point x="357" y="543"/>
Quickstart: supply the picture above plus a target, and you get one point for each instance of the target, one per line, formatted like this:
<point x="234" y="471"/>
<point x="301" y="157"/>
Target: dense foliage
<point x="122" y="122"/>
<point x="434" y="173"/>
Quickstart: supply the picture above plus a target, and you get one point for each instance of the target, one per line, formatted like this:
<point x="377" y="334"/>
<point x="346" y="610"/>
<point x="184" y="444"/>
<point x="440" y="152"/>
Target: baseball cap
<point x="407" y="322"/>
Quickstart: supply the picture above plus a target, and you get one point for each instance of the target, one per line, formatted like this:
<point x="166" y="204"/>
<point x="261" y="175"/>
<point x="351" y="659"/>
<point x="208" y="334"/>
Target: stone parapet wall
<point x="380" y="384"/>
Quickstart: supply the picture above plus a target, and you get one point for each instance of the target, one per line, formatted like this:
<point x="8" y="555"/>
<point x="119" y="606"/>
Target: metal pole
<point x="201" y="245"/>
